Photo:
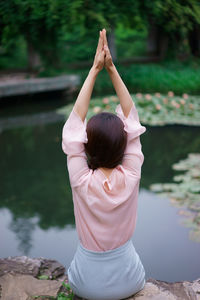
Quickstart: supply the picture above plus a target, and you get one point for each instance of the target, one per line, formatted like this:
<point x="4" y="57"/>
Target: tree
<point x="41" y="23"/>
<point x="169" y="21"/>
<point x="107" y="14"/>
<point x="44" y="24"/>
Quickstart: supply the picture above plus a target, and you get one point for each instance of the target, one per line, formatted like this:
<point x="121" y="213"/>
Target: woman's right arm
<point x="126" y="111"/>
<point x="125" y="99"/>
<point x="120" y="88"/>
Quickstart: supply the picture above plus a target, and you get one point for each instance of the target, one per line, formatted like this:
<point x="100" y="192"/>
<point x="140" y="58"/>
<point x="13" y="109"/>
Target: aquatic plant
<point x="185" y="192"/>
<point x="154" y="109"/>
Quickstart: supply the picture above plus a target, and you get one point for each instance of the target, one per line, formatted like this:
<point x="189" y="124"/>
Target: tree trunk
<point x="152" y="39"/>
<point x="157" y="41"/>
<point x="112" y="44"/>
<point x="163" y="42"/>
<point x="194" y="40"/>
<point x="34" y="60"/>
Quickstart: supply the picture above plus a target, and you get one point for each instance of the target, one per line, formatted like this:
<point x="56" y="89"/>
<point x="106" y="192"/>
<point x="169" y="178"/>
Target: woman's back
<point x="105" y="208"/>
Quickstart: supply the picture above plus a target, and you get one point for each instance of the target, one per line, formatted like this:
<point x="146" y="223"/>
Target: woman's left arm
<point x="82" y="102"/>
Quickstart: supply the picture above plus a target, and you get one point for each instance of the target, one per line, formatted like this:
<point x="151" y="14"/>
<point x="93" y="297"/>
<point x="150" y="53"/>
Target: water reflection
<point x="53" y="243"/>
<point x="164" y="146"/>
<point x="23" y="229"/>
<point x="35" y="185"/>
<point x="34" y="180"/>
<point x="161" y="241"/>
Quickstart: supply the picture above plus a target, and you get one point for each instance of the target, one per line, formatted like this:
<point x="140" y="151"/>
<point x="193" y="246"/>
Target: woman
<point x="104" y="161"/>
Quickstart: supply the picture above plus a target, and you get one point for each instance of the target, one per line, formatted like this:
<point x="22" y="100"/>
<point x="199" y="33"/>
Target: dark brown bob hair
<point x="106" y="141"/>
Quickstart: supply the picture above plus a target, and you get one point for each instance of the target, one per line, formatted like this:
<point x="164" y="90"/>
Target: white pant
<point x="109" y="275"/>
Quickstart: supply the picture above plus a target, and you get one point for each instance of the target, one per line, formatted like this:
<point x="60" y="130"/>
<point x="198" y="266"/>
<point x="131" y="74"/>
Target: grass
<point x="172" y="75"/>
<point x="151" y="78"/>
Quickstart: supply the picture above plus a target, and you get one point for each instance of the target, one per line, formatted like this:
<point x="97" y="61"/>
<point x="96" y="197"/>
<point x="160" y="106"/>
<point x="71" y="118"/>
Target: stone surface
<point x="20" y="265"/>
<point x="31" y="266"/>
<point x="160" y="290"/>
<point x="19" y="280"/>
<point x="51" y="268"/>
<point x="24" y="287"/>
<point x="37" y="85"/>
<point x="196" y="287"/>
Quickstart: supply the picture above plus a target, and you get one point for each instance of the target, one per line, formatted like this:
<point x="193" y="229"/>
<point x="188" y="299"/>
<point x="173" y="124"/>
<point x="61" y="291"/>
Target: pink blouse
<point x="105" y="209"/>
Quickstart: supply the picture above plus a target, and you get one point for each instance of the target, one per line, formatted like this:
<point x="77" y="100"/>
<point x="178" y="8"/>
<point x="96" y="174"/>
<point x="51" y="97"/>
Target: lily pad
<point x="185" y="192"/>
<point x="153" y="110"/>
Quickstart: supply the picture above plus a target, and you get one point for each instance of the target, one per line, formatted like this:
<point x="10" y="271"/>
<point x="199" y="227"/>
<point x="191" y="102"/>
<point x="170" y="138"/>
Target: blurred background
<point x="46" y="51"/>
<point x="56" y="37"/>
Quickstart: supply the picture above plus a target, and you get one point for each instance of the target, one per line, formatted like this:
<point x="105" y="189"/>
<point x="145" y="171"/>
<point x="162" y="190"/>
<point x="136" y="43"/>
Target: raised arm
<point x="82" y="102"/>
<point x="120" y="88"/>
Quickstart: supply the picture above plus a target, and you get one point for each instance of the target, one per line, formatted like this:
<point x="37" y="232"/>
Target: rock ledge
<point x="25" y="278"/>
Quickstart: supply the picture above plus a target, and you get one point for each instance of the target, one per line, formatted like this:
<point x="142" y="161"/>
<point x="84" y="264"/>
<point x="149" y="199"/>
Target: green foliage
<point x="168" y="109"/>
<point x="171" y="15"/>
<point x="68" y="294"/>
<point x="154" y="109"/>
<point x="185" y="192"/>
<point x="173" y="19"/>
<point x="63" y="31"/>
<point x="14" y="54"/>
<point x="43" y="277"/>
<point x="180" y="77"/>
<point x="41" y="23"/>
<point x="62" y="296"/>
<point x="130" y="42"/>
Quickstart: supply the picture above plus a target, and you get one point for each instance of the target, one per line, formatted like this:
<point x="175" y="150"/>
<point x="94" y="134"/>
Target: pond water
<point x="36" y="209"/>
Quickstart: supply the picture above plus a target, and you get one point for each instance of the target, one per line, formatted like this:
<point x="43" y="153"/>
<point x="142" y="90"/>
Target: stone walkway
<point x="17" y="84"/>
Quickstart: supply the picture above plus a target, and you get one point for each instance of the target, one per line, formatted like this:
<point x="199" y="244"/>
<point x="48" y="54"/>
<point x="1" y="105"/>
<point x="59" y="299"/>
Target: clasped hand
<point x="102" y="57"/>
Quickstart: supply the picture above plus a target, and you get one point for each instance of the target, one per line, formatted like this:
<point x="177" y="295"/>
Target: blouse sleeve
<point x="133" y="156"/>
<point x="73" y="138"/>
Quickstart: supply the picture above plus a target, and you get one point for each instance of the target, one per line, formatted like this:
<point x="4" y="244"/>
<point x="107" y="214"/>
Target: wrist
<point x="94" y="71"/>
<point x="111" y="68"/>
